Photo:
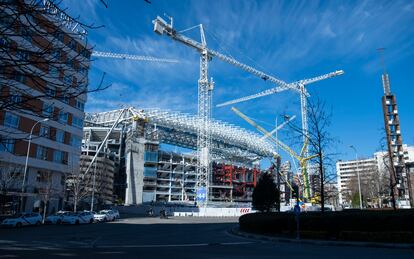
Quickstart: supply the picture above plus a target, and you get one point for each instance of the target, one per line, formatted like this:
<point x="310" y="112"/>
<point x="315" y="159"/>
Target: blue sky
<point x="291" y="40"/>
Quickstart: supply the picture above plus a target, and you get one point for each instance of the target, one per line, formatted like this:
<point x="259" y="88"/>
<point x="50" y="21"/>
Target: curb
<point x="236" y="231"/>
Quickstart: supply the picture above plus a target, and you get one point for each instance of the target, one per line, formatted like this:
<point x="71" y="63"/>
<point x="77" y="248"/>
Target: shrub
<point x="383" y="225"/>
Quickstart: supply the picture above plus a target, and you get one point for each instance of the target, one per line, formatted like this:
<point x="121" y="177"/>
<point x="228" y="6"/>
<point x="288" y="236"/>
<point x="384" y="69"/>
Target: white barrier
<point x="215" y="212"/>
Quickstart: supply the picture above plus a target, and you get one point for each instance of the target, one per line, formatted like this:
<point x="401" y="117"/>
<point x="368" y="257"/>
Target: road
<point x="165" y="238"/>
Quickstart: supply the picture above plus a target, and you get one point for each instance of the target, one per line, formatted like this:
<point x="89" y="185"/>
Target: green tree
<point x="266" y="195"/>
<point x="355" y="200"/>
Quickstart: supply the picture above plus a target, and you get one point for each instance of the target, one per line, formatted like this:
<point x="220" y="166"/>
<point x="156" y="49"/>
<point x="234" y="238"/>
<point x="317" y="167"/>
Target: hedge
<point x="389" y="226"/>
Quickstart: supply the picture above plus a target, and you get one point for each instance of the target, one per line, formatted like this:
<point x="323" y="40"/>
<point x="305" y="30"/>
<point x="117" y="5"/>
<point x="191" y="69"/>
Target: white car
<point x="116" y="213"/>
<point x="101" y="216"/>
<point x="110" y="214"/>
<point x="56" y="218"/>
<point x="77" y="218"/>
<point x="23" y="219"/>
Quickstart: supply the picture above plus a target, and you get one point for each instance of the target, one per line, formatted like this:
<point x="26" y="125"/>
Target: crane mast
<point x="302" y="157"/>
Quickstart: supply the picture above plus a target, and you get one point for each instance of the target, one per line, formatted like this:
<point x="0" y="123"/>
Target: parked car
<point x="110" y="213"/>
<point x="101" y="216"/>
<point x="56" y="218"/>
<point x="116" y="213"/>
<point x="85" y="217"/>
<point x="22" y="219"/>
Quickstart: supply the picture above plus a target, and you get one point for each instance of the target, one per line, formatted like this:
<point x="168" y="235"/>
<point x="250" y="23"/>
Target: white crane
<point x="131" y="57"/>
<point x="303" y="95"/>
<point x="205" y="88"/>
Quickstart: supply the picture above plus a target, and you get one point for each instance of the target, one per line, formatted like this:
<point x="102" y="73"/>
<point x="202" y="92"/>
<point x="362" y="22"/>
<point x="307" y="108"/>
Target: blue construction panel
<point x="150" y="172"/>
<point x="151" y="156"/>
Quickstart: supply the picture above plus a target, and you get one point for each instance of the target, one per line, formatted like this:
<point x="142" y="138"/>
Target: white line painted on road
<point x="237" y="243"/>
<point x="174" y="245"/>
<point x="151" y="246"/>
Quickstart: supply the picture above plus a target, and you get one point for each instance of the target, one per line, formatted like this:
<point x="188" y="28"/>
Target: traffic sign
<point x="201" y="194"/>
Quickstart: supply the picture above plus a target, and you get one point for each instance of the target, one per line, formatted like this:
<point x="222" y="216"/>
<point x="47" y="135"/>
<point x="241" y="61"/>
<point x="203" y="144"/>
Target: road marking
<point x="175" y="245"/>
<point x="152" y="246"/>
<point x="237" y="243"/>
<point x="94" y="241"/>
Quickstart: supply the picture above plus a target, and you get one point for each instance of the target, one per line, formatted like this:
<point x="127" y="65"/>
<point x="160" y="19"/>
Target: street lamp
<point x="27" y="160"/>
<point x="359" y="180"/>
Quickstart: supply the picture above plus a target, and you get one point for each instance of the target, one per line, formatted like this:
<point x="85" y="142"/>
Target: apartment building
<point x="373" y="170"/>
<point x="43" y="94"/>
<point x="347" y="176"/>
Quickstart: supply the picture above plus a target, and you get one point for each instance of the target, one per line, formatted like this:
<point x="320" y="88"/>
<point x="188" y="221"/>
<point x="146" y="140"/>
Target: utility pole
<point x="359" y="179"/>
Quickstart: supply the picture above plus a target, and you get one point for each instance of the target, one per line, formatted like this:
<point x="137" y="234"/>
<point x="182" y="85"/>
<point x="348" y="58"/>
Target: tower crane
<point x="303" y="95"/>
<point x="205" y="88"/>
<point x="302" y="157"/>
<point x="131" y="57"/>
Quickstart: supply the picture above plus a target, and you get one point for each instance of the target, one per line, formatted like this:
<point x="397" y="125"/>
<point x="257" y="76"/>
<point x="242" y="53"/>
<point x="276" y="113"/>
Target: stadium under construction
<point x="148" y="174"/>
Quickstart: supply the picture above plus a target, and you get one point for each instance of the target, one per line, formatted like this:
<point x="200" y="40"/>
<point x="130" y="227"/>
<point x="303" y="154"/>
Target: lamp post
<point x="27" y="160"/>
<point x="359" y="180"/>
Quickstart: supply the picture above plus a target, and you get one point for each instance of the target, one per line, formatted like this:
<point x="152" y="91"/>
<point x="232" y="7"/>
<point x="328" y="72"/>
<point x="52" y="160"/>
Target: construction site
<point x="223" y="166"/>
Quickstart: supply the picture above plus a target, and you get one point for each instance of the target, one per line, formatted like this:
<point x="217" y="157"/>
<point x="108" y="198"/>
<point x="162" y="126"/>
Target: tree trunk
<point x="321" y="174"/>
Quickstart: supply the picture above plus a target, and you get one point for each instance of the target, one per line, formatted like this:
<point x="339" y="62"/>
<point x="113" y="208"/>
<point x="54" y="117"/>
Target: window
<point x="19" y="77"/>
<point x="41" y="152"/>
<point x="64" y="98"/>
<point x="60" y="136"/>
<point x="53" y="71"/>
<point x="42" y="176"/>
<point x="59" y="35"/>
<point x="72" y="44"/>
<point x="58" y="156"/>
<point x="67" y="79"/>
<point x="63" y="117"/>
<point x="75" y="141"/>
<point x="50" y="92"/>
<point x="11" y="120"/>
<point x="47" y="109"/>
<point x="27" y="35"/>
<point x="22" y="55"/>
<point x="44" y="131"/>
<point x="57" y="54"/>
<point x="15" y="98"/>
<point x="77" y="122"/>
<point x="83" y="70"/>
<point x="7" y="145"/>
<point x="4" y="42"/>
<point x="80" y="105"/>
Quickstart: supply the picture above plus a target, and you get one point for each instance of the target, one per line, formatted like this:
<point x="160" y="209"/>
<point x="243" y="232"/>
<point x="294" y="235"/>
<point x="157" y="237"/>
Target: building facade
<point x="347" y="177"/>
<point x="374" y="176"/>
<point x="42" y="103"/>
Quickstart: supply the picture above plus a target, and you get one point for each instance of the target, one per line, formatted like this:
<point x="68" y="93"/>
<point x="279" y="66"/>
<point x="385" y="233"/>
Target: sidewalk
<point x="236" y="231"/>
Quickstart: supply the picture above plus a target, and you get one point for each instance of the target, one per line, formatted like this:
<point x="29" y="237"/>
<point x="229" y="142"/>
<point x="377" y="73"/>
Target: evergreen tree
<point x="266" y="194"/>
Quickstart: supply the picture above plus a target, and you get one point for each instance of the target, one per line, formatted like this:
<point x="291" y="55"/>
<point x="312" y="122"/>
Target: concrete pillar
<point x="135" y="148"/>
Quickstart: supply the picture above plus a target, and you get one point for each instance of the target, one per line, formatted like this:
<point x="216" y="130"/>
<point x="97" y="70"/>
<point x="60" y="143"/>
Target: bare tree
<point x="9" y="179"/>
<point x="39" y="61"/>
<point x="320" y="144"/>
<point x="387" y="171"/>
<point x="47" y="192"/>
<point x="80" y="185"/>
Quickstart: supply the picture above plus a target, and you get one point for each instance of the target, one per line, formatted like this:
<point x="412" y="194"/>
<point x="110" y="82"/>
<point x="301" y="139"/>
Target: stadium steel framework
<point x="229" y="142"/>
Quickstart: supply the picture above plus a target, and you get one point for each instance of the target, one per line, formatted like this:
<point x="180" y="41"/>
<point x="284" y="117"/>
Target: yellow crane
<point x="300" y="157"/>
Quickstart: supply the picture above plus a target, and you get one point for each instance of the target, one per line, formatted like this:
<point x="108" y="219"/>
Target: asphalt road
<point x="165" y="238"/>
